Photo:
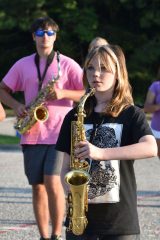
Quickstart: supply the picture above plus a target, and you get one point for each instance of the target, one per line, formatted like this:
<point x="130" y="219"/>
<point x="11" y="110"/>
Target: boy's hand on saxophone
<point x="55" y="93"/>
<point x="20" y="109"/>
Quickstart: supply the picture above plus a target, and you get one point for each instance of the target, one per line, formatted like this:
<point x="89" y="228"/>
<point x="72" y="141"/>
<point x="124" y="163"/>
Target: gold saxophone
<point x="36" y="111"/>
<point x="78" y="177"/>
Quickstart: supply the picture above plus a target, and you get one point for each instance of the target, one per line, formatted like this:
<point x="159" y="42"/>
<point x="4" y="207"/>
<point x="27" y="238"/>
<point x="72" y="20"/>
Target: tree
<point x="132" y="24"/>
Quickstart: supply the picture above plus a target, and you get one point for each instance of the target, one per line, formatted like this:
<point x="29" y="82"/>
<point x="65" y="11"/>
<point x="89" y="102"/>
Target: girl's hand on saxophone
<point x="85" y="149"/>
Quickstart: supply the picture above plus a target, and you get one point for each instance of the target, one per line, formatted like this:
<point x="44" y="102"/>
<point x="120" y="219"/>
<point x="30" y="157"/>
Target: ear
<point x="33" y="36"/>
<point x="55" y="37"/>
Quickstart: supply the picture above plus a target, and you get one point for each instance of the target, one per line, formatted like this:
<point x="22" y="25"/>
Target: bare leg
<point x="40" y="207"/>
<point x="56" y="201"/>
<point x="158" y="144"/>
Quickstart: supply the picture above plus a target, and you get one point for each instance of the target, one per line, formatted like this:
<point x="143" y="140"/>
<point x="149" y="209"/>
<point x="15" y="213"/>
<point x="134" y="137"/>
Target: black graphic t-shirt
<point x="112" y="186"/>
<point x="104" y="175"/>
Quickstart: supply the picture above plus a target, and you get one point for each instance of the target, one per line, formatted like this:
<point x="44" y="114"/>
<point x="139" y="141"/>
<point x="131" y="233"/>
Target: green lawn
<point x="9" y="112"/>
<point x="4" y="139"/>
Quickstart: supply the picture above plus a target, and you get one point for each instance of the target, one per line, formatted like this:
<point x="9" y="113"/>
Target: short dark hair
<point x="44" y="22"/>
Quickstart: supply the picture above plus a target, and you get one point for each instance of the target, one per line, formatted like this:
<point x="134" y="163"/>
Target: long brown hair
<point x="122" y="96"/>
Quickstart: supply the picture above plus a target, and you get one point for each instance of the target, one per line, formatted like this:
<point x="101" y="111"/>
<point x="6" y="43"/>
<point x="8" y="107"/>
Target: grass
<point x="9" y="112"/>
<point x="5" y="139"/>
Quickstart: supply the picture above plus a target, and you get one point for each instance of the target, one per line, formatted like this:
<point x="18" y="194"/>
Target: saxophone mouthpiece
<point x="91" y="91"/>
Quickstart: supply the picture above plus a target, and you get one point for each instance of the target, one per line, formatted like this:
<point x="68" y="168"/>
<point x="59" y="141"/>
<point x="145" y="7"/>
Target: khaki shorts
<point x="40" y="160"/>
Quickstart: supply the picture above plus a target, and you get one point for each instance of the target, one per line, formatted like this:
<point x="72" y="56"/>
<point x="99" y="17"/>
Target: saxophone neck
<point x="81" y="104"/>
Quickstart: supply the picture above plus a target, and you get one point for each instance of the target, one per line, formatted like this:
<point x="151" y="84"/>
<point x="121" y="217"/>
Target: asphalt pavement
<point x="17" y="221"/>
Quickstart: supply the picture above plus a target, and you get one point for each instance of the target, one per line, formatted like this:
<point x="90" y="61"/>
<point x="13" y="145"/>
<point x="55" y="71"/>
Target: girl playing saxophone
<point x="117" y="133"/>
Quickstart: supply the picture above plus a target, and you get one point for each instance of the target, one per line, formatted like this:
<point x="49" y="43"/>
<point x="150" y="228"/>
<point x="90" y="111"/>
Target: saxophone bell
<point x="77" y="200"/>
<point x="41" y="113"/>
<point x="77" y="177"/>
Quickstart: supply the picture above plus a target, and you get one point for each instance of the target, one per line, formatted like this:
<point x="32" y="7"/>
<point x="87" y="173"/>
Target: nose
<point x="97" y="72"/>
<point x="45" y="34"/>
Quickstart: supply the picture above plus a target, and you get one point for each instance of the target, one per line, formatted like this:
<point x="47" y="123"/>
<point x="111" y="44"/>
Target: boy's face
<point x="44" y="38"/>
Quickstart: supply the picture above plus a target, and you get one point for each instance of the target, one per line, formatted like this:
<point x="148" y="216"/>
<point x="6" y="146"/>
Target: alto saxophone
<point x="78" y="177"/>
<point x="36" y="111"/>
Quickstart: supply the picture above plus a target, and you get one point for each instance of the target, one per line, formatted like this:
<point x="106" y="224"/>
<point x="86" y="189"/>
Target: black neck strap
<point x="48" y="62"/>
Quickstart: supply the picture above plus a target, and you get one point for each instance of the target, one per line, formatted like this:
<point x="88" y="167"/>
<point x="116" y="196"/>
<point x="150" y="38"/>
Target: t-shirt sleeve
<point x="154" y="86"/>
<point x="139" y="125"/>
<point x="64" y="140"/>
<point x="75" y="75"/>
<point x="13" y="78"/>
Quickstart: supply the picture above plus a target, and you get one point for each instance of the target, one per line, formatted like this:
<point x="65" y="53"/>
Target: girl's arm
<point x="145" y="148"/>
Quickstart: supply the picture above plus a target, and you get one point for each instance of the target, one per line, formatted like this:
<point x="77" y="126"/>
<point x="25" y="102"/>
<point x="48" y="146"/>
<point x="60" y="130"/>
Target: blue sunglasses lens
<point x="50" y="32"/>
<point x="40" y="33"/>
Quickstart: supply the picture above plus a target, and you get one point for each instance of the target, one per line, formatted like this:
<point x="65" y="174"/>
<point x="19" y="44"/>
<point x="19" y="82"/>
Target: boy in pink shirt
<point x="31" y="74"/>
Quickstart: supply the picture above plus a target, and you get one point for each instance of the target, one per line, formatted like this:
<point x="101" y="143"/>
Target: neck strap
<point x="48" y="62"/>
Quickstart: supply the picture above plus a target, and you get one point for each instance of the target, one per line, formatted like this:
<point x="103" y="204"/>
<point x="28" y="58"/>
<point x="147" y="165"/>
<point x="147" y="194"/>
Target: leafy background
<point x="132" y="24"/>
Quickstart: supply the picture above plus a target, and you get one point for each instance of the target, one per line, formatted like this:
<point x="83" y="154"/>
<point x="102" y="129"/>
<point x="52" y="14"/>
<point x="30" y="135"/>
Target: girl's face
<point x="100" y="76"/>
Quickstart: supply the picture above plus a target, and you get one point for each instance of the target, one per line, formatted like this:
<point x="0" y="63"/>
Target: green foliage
<point x="132" y="24"/>
<point x="138" y="82"/>
<point x="19" y="14"/>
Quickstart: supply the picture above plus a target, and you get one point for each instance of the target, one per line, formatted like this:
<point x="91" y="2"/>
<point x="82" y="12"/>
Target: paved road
<point x="16" y="216"/>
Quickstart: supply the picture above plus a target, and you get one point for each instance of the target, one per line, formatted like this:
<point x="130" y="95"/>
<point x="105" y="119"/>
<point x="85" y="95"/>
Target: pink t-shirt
<point x="23" y="77"/>
<point x="155" y="89"/>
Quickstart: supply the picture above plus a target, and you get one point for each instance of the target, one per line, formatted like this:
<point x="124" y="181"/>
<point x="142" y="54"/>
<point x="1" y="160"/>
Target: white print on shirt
<point x="104" y="184"/>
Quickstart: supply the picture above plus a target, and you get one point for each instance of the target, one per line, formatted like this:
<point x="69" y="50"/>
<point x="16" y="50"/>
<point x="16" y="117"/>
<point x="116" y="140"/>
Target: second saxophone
<point x="37" y="111"/>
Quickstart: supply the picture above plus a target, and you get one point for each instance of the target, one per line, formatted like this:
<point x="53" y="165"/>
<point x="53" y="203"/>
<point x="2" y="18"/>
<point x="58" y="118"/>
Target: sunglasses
<point x="40" y="33"/>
